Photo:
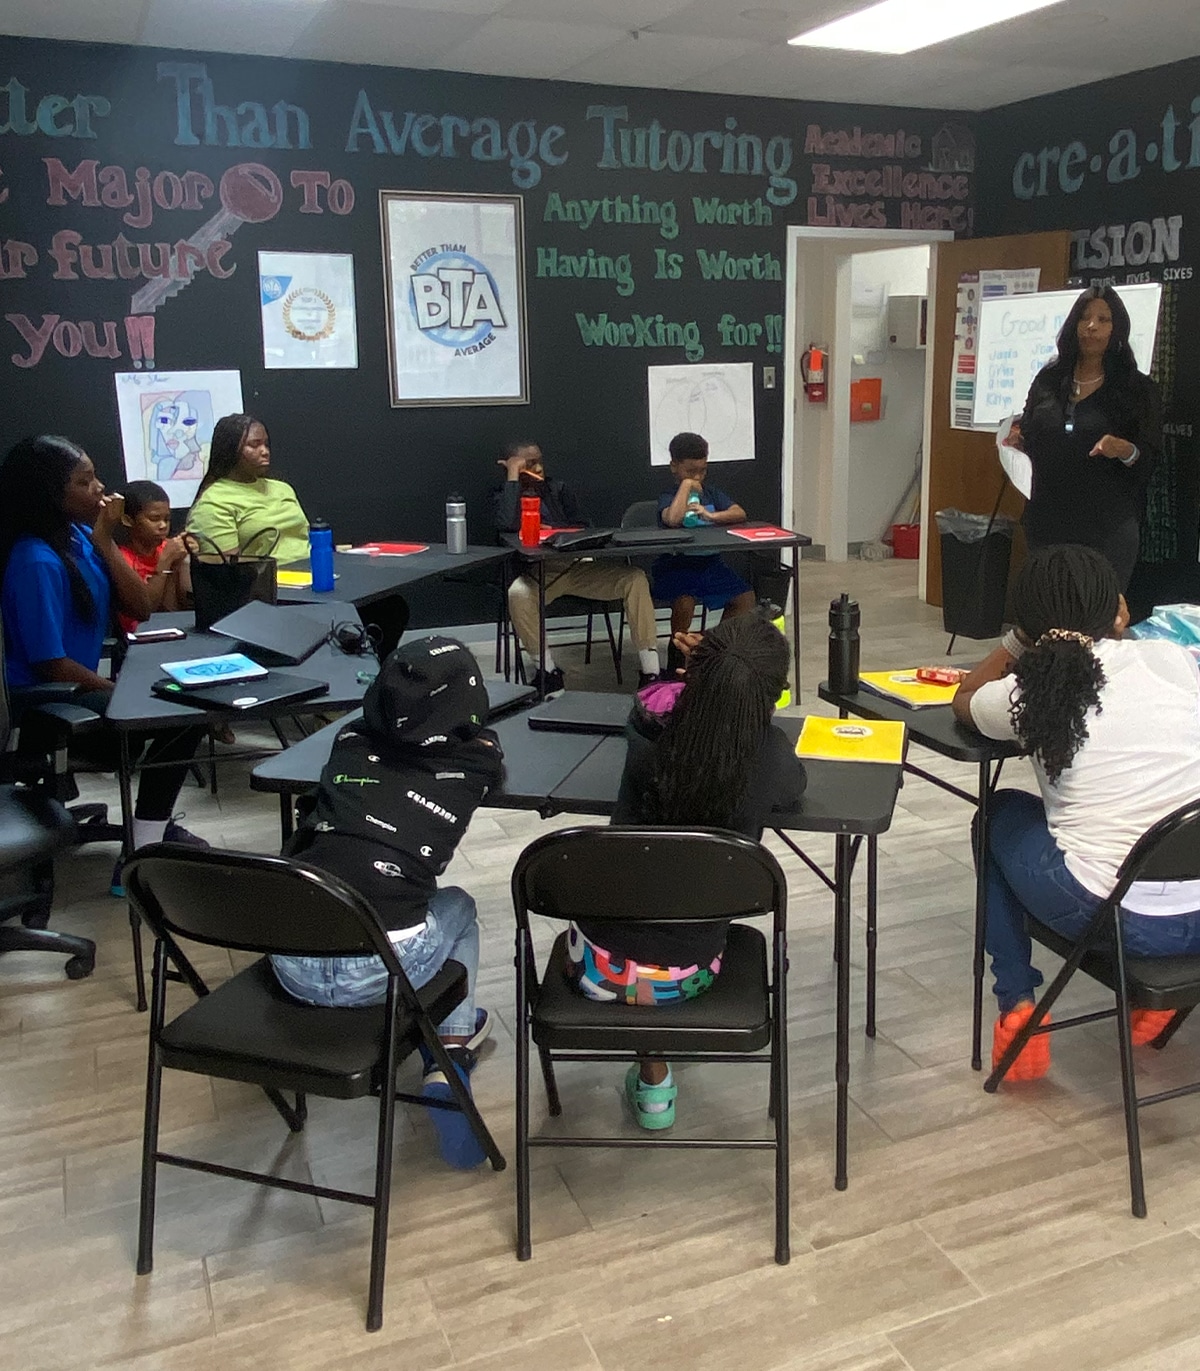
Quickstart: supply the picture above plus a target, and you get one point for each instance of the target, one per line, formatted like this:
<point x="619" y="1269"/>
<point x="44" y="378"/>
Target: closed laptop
<point x="278" y="634"/>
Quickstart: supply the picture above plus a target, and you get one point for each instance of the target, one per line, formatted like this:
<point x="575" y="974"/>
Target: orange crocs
<point x="1147" y="1024"/>
<point x="1034" y="1059"/>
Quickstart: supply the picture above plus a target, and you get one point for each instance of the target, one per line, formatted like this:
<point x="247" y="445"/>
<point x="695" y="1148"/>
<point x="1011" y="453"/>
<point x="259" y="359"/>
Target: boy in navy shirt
<point x="685" y="578"/>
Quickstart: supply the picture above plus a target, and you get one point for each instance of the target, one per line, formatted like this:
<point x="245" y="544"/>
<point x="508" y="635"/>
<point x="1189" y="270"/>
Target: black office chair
<point x="661" y="875"/>
<point x="34" y="827"/>
<point x="1167" y="851"/>
<point x="250" y="1029"/>
<point x="45" y="722"/>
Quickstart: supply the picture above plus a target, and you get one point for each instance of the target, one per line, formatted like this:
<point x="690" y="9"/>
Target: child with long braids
<point x="702" y="751"/>
<point x="1113" y="727"/>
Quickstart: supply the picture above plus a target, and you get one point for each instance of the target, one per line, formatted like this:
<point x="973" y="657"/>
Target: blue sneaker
<point x="456" y="1140"/>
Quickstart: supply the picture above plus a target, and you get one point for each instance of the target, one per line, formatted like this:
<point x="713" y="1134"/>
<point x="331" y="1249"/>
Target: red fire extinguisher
<point x="812" y="368"/>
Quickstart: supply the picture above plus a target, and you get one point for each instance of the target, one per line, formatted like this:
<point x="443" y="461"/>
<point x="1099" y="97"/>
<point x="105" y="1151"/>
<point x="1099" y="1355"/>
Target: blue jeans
<point x="450" y="934"/>
<point x="1026" y="872"/>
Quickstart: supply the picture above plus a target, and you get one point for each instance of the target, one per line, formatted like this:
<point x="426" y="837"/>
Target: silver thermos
<point x="456" y="524"/>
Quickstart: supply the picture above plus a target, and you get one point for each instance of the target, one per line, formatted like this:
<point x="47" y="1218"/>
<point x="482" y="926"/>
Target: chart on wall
<point x="307" y="303"/>
<point x="715" y="401"/>
<point x="167" y="423"/>
<point x="1018" y="336"/>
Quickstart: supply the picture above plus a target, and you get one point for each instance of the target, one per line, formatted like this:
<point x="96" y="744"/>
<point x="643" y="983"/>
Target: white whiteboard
<point x="715" y="400"/>
<point x="1017" y="336"/>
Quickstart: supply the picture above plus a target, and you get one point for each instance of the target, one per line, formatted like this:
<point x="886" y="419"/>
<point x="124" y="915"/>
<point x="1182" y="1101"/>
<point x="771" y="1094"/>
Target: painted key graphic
<point x="250" y="194"/>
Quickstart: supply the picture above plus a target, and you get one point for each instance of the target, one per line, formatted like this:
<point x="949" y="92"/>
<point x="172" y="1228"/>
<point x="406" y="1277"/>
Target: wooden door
<point x="963" y="470"/>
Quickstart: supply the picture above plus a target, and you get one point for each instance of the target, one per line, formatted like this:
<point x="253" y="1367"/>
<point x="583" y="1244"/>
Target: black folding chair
<point x="250" y="1029"/>
<point x="661" y="875"/>
<point x="1167" y="851"/>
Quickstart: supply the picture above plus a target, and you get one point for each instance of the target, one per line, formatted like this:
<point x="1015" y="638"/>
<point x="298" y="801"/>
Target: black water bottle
<point x="843" y="645"/>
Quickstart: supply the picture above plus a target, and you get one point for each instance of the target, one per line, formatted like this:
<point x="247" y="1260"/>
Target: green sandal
<point x="639" y="1094"/>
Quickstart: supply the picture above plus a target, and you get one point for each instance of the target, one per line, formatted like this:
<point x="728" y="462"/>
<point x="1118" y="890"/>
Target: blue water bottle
<point x="320" y="554"/>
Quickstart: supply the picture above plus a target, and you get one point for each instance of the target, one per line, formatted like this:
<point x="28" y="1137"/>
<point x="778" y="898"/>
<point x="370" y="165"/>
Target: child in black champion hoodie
<point x="394" y="800"/>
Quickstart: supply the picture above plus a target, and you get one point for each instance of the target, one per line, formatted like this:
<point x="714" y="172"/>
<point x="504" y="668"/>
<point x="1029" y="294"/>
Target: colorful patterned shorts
<point x="600" y="976"/>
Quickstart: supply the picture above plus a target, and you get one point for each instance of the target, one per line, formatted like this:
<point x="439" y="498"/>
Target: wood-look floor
<point x="979" y="1232"/>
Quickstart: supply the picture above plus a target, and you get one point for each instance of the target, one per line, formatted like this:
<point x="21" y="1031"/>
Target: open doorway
<point x="841" y="481"/>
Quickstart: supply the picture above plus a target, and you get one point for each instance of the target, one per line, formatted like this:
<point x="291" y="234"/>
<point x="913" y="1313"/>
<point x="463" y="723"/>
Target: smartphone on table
<point x="155" y="635"/>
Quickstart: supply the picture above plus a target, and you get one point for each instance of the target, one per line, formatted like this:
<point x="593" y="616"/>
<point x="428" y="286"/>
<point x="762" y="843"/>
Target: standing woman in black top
<point x="1092" y="429"/>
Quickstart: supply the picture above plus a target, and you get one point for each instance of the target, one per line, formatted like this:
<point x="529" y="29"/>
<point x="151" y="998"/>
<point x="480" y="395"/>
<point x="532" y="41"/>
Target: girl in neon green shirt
<point x="238" y="502"/>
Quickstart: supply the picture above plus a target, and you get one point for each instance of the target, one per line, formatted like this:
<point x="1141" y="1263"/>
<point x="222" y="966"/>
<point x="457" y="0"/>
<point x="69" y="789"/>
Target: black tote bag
<point x="223" y="582"/>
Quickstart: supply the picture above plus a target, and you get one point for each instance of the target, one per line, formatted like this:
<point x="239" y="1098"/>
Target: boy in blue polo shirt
<point x="685" y="578"/>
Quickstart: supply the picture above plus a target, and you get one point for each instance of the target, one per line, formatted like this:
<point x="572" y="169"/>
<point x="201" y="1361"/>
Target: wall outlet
<point x="768" y="378"/>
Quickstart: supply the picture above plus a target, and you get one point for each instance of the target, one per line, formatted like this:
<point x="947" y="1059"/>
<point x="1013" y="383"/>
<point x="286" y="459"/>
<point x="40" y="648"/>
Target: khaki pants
<point x="591" y="581"/>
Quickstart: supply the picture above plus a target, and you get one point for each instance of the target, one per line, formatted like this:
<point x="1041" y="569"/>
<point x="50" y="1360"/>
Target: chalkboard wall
<point x="1118" y="162"/>
<point x="682" y="224"/>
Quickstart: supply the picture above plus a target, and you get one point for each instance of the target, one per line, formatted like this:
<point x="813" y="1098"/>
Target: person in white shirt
<point x="1113" y="727"/>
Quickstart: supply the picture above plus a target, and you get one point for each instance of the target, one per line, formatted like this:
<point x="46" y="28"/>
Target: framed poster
<point x="167" y="420"/>
<point x="454" y="289"/>
<point x="307" y="302"/>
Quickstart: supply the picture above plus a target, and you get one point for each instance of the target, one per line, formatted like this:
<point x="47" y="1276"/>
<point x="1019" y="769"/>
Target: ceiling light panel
<point x="901" y="26"/>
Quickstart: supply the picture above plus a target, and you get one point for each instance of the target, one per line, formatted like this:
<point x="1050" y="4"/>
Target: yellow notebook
<point x="904" y="686"/>
<point x="297" y="580"/>
<point x="851" y="740"/>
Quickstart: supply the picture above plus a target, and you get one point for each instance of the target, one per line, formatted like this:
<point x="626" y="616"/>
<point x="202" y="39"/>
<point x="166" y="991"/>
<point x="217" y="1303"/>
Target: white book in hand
<point x="207" y="671"/>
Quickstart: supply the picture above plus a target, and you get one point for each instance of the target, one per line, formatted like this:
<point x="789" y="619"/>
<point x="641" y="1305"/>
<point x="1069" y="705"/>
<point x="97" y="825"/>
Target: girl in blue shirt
<point x="61" y="582"/>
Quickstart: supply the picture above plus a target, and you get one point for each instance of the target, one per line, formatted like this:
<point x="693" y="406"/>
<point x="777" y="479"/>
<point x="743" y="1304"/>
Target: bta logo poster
<point x="455" y="287"/>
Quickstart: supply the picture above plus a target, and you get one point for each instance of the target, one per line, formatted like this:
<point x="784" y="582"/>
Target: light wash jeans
<point x="1027" y="871"/>
<point x="450" y="934"/>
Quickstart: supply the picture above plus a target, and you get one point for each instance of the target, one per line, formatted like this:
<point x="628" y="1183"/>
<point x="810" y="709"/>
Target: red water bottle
<point x="531" y="520"/>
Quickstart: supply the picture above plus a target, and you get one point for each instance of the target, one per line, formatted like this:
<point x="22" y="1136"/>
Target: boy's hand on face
<point x="513" y="465"/>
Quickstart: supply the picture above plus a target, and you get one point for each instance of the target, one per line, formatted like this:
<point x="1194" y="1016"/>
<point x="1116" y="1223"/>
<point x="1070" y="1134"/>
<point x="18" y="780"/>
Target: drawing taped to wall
<point x="167" y="423"/>
<point x="715" y="400"/>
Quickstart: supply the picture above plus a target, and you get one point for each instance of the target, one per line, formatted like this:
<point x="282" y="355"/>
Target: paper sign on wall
<point x="715" y="400"/>
<point x="307" y="302"/>
<point x="167" y="420"/>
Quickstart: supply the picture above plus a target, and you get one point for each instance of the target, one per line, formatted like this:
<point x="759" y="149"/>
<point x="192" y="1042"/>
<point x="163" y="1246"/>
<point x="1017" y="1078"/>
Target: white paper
<point x="713" y="399"/>
<point x="1017" y="466"/>
<point x="167" y="420"/>
<point x="308" y="315"/>
<point x="456" y="293"/>
<point x="1017" y="337"/>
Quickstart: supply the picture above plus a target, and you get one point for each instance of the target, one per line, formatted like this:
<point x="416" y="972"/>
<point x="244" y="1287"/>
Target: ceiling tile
<point x="773" y="21"/>
<point x="478" y="8"/>
<point x="623" y="14"/>
<point x="382" y="35"/>
<point x="791" y="73"/>
<point x="657" y="59"/>
<point x="85" y="21"/>
<point x="522" y="47"/>
<point x="267" y="27"/>
<point x="726" y="46"/>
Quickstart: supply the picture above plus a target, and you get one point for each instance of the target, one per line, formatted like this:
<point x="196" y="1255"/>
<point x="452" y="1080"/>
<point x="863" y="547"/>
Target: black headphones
<point x="356" y="640"/>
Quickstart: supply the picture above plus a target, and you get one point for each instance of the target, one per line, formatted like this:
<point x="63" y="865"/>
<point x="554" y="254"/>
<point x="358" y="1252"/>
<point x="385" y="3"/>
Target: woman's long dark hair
<point x="705" y="754"/>
<point x="33" y="483"/>
<point x="229" y="433"/>
<point x="1063" y="596"/>
<point x="1119" y="365"/>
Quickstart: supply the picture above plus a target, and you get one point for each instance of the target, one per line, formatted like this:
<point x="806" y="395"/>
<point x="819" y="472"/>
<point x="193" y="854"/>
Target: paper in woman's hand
<point x="1016" y="464"/>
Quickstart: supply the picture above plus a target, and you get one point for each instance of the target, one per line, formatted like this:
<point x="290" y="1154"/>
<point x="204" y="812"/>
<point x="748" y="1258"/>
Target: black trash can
<point x="974" y="572"/>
